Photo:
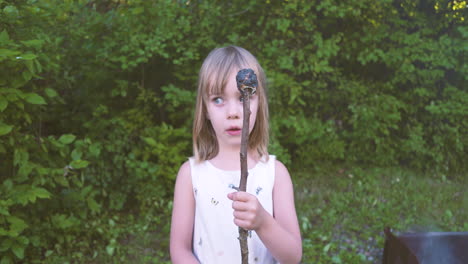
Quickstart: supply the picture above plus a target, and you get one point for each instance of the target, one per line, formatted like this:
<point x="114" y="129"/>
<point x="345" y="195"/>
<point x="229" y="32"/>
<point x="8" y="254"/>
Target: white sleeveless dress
<point x="215" y="236"/>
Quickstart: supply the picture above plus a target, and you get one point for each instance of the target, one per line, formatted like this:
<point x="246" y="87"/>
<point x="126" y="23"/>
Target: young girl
<point x="207" y="208"/>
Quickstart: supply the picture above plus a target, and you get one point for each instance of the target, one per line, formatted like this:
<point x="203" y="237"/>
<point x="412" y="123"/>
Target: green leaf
<point x="41" y="192"/>
<point x="76" y="154"/>
<point x="6" y="244"/>
<point x="8" y="53"/>
<point x="9" y="9"/>
<point x="30" y="66"/>
<point x="6" y="260"/>
<point x="86" y="190"/>
<point x="50" y="92"/>
<point x="3" y="103"/>
<point x="20" y="156"/>
<point x="336" y="260"/>
<point x="16" y="224"/>
<point x="67" y="139"/>
<point x="34" y="240"/>
<point x="448" y="213"/>
<point x="93" y="205"/>
<point x="34" y="98"/>
<point x="28" y="56"/>
<point x="79" y="164"/>
<point x="327" y="247"/>
<point x="23" y="240"/>
<point x="38" y="65"/>
<point x="63" y="221"/>
<point x="4" y="36"/>
<point x="23" y="198"/>
<point x="35" y="43"/>
<point x="137" y="10"/>
<point x="18" y="250"/>
<point x="24" y="171"/>
<point x="5" y="129"/>
<point x="95" y="149"/>
<point x="110" y="250"/>
<point x="8" y="184"/>
<point x="150" y="141"/>
<point x="4" y="211"/>
<point x="60" y="179"/>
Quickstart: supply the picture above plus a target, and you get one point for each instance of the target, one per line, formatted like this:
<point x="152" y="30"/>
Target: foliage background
<point x="96" y="101"/>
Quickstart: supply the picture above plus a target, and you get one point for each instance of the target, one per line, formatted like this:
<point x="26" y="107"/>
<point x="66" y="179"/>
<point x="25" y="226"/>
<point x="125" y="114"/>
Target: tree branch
<point x="247" y="85"/>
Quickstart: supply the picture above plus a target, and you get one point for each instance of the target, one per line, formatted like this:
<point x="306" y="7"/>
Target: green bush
<point x="97" y="98"/>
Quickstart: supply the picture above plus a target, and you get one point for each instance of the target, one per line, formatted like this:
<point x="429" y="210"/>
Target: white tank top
<point x="215" y="236"/>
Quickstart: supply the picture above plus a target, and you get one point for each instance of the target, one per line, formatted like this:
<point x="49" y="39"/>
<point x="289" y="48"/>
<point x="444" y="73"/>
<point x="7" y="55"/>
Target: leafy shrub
<point x="97" y="97"/>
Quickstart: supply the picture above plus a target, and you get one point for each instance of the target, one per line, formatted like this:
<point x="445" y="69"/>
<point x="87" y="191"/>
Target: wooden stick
<point x="247" y="85"/>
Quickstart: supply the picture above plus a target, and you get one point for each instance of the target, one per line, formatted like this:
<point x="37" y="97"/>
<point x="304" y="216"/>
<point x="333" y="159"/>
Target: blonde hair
<point x="213" y="77"/>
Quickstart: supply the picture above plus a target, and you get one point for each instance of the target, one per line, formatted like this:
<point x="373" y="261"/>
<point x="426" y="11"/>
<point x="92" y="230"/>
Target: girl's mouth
<point x="234" y="131"/>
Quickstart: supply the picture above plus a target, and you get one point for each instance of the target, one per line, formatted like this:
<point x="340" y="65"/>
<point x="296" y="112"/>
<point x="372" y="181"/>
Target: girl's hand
<point x="248" y="212"/>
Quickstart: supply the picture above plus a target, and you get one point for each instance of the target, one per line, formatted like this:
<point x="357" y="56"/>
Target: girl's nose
<point x="234" y="110"/>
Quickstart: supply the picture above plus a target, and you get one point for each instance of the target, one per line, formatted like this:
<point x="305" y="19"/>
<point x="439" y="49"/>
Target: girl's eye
<point x="218" y="100"/>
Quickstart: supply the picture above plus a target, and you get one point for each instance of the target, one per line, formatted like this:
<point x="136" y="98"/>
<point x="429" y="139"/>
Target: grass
<point x="342" y="214"/>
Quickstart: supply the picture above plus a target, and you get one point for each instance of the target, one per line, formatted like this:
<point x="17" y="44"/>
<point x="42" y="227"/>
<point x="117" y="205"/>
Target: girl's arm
<point x="183" y="214"/>
<point x="279" y="233"/>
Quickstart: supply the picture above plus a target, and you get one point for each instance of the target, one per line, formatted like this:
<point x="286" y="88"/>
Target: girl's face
<point x="225" y="112"/>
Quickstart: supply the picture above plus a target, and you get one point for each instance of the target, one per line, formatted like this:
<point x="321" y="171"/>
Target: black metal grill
<point x="426" y="248"/>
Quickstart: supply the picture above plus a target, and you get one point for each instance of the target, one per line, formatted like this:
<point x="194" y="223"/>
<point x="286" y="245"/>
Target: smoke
<point x="438" y="247"/>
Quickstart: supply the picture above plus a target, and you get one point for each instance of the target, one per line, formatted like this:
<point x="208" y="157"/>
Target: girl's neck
<point x="230" y="160"/>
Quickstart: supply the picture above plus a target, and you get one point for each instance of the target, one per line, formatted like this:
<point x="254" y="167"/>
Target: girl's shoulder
<point x="279" y="166"/>
<point x="281" y="172"/>
<point x="184" y="170"/>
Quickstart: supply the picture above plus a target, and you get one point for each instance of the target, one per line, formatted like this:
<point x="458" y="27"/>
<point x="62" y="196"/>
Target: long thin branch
<point x="247" y="85"/>
<point x="244" y="172"/>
